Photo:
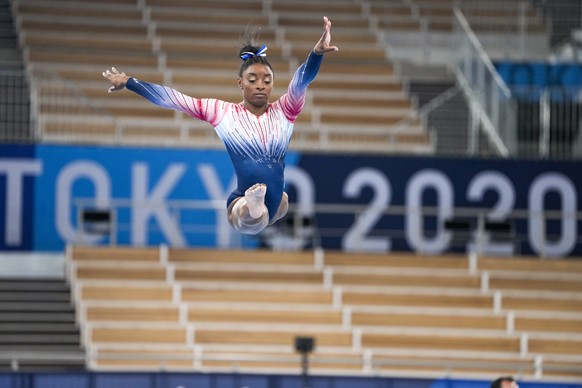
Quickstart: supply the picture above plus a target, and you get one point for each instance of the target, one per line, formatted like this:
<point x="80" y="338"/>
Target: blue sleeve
<point x="292" y="102"/>
<point x="306" y="73"/>
<point x="164" y="96"/>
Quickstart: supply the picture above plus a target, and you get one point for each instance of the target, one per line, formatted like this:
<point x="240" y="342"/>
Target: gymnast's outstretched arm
<point x="164" y="96"/>
<point x="292" y="102"/>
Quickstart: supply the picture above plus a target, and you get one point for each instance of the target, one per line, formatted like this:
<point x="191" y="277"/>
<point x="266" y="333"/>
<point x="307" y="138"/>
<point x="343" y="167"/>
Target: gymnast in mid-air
<point x="255" y="132"/>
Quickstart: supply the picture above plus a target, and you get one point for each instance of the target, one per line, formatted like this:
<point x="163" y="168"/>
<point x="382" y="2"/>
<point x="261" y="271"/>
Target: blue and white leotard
<point x="257" y="145"/>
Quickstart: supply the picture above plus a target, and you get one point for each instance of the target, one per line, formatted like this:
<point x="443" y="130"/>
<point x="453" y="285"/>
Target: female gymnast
<point x="256" y="133"/>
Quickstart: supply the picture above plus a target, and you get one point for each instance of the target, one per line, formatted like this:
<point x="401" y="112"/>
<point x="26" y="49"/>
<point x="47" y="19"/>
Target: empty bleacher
<point x="193" y="47"/>
<point x="38" y="330"/>
<point x="241" y="310"/>
<point x="422" y="30"/>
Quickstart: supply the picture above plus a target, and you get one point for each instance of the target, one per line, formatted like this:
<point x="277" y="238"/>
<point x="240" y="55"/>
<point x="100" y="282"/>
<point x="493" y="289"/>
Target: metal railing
<point x="490" y="99"/>
<point x="549" y="123"/>
<point x="508" y="29"/>
<point x="427" y="229"/>
<point x="16" y="116"/>
<point x="520" y="121"/>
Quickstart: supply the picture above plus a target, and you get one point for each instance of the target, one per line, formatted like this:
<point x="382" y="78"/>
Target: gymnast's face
<point x="257" y="84"/>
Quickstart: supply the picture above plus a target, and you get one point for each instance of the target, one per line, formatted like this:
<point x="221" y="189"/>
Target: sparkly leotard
<point x="257" y="145"/>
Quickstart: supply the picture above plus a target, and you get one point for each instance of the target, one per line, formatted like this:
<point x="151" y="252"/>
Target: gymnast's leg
<point x="248" y="214"/>
<point x="283" y="208"/>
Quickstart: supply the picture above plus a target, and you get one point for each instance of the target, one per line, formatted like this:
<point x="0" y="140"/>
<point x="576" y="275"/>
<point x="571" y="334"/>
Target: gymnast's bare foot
<point x="255" y="196"/>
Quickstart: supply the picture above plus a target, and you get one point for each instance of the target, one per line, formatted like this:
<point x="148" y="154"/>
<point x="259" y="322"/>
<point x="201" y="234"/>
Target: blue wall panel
<point x="211" y="380"/>
<point x="540" y="73"/>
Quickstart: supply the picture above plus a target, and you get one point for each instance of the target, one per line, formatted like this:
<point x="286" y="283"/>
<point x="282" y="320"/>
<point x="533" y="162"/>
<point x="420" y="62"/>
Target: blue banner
<point x="146" y="178"/>
<point x="500" y="188"/>
<point x="19" y="169"/>
<point x="379" y="203"/>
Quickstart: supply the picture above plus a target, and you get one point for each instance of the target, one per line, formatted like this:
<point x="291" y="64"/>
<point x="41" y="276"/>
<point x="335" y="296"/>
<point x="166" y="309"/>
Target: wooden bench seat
<point x="238" y="256"/>
<point x="182" y="80"/>
<point x="256" y="296"/>
<point x="92" y="43"/>
<point x="303" y="277"/>
<point x="178" y="357"/>
<point x="141" y="111"/>
<point x="449" y="363"/>
<point x="228" y="5"/>
<point x="271" y="337"/>
<point x="196" y="15"/>
<point x="567" y="346"/>
<point x="383" y="86"/>
<point x="169" y="30"/>
<point x="301" y="36"/>
<point x="336" y="67"/>
<point x="137" y="272"/>
<point x="403" y="280"/>
<point x="391" y="9"/>
<point x="247" y="359"/>
<point x="535" y="303"/>
<point x="93" y="2"/>
<point x="318" y="7"/>
<point x="271" y="316"/>
<point x="347" y="102"/>
<point x="115" y="253"/>
<point x="282" y="361"/>
<point x="553" y="324"/>
<point x="387" y="142"/>
<point x="90" y="80"/>
<point x="536" y="284"/>
<point x="441" y="342"/>
<point x="133" y="313"/>
<point x="98" y="59"/>
<point x="153" y="293"/>
<point x="78" y="128"/>
<point x="167" y="334"/>
<point x="397" y="23"/>
<point x="357" y="52"/>
<point x="79" y="11"/>
<point x="396" y="260"/>
<point x="485" y="321"/>
<point x="360" y="118"/>
<point x="194" y="48"/>
<point x="563" y="368"/>
<point x="532" y="264"/>
<point x="60" y="26"/>
<point x="222" y="62"/>
<point x="473" y="301"/>
<point x="302" y="19"/>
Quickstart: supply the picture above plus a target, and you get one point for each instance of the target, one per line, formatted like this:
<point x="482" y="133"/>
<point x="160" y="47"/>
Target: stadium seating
<point x="37" y="326"/>
<point x="210" y="310"/>
<point x="241" y="310"/>
<point x="192" y="47"/>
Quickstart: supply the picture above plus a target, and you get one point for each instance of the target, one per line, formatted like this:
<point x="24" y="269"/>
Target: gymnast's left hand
<point x="117" y="79"/>
<point x="323" y="46"/>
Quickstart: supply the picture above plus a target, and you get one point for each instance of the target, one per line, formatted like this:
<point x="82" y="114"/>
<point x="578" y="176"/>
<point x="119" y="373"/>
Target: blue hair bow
<point x="247" y="54"/>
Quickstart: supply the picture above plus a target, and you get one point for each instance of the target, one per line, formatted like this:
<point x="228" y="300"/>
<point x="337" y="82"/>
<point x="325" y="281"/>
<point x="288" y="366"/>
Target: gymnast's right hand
<point x="117" y="79"/>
